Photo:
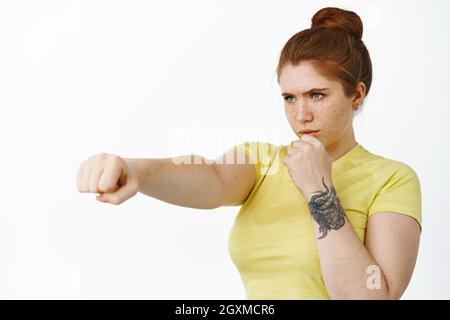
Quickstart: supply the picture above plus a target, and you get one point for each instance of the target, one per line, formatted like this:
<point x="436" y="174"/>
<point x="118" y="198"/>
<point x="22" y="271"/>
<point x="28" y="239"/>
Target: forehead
<point x="303" y="77"/>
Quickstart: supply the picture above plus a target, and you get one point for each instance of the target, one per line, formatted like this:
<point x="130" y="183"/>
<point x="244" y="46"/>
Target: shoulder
<point x="397" y="187"/>
<point x="383" y="168"/>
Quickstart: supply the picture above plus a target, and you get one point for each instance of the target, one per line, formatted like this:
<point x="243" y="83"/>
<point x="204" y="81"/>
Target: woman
<point x="322" y="217"/>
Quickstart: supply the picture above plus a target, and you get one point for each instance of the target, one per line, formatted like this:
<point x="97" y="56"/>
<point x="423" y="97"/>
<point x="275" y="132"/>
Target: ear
<point x="360" y="94"/>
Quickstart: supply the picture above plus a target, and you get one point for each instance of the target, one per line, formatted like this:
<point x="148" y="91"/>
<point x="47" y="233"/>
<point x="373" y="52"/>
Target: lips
<point x="308" y="131"/>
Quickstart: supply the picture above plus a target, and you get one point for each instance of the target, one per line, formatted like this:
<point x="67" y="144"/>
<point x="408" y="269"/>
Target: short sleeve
<point x="259" y="153"/>
<point x="249" y="148"/>
<point x="401" y="192"/>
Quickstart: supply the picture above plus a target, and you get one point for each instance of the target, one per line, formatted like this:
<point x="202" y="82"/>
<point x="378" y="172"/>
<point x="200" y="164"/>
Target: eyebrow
<point x="307" y="92"/>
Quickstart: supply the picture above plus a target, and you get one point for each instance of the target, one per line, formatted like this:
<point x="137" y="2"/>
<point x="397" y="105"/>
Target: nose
<point x="303" y="113"/>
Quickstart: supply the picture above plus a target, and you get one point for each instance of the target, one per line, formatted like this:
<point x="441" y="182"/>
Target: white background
<point x="150" y="79"/>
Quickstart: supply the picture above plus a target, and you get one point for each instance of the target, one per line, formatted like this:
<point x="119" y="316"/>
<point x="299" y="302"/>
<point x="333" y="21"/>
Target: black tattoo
<point x="326" y="210"/>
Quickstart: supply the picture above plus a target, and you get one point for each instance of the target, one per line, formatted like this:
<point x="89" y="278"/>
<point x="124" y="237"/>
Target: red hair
<point x="334" y="45"/>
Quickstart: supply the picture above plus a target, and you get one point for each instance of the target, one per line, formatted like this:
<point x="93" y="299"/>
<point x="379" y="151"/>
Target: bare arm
<point x="188" y="181"/>
<point x="195" y="182"/>
<point x="379" y="269"/>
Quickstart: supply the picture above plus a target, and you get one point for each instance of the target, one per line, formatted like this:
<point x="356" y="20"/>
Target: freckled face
<point x="329" y="111"/>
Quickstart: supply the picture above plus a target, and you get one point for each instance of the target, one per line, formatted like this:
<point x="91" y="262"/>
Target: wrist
<point x="134" y="171"/>
<point x="319" y="186"/>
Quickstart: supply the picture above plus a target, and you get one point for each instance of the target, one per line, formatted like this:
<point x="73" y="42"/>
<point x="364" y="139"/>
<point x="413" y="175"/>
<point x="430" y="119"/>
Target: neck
<point x="341" y="147"/>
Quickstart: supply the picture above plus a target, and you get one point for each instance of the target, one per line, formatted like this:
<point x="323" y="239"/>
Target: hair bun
<point x="336" y="18"/>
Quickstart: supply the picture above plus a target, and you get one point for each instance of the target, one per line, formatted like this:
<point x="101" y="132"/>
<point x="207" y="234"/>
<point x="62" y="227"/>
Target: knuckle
<point x="99" y="158"/>
<point x="116" y="161"/>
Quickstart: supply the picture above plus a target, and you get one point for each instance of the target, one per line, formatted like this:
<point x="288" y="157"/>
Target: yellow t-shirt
<point x="272" y="241"/>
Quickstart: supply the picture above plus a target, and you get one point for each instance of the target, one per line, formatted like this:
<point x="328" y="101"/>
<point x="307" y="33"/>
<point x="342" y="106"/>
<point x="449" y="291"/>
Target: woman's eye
<point x="315" y="94"/>
<point x="287" y="99"/>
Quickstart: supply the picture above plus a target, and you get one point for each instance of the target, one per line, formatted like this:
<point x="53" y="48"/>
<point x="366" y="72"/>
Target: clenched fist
<point x="113" y="177"/>
<point x="308" y="163"/>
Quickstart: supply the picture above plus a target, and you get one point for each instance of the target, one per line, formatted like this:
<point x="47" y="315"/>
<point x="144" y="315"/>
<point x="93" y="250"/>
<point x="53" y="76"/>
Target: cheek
<point x="290" y="114"/>
<point x="340" y="116"/>
<point x="339" y="119"/>
<point x="336" y="119"/>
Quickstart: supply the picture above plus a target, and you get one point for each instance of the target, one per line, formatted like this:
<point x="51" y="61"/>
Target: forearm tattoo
<point x="326" y="210"/>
